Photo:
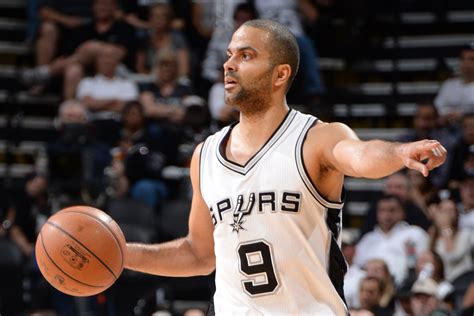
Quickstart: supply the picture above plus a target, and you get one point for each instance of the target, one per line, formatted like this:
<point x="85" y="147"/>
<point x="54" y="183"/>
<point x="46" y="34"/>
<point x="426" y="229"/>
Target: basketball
<point x="80" y="251"/>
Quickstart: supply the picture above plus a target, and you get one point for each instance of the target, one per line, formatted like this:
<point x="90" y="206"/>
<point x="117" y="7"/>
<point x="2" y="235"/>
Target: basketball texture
<point x="80" y="251"/>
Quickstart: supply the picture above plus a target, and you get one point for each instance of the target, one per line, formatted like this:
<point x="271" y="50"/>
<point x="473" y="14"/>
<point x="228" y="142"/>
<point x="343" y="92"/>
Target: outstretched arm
<point x="187" y="256"/>
<point x="376" y="158"/>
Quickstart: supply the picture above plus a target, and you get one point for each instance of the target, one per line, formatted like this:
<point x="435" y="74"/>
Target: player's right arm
<point x="187" y="256"/>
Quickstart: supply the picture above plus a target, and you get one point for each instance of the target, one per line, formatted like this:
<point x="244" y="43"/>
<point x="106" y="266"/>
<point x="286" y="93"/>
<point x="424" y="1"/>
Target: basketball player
<point x="268" y="191"/>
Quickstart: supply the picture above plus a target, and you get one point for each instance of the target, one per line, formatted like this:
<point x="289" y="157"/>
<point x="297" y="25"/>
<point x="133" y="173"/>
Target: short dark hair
<point x="385" y="196"/>
<point x="284" y="45"/>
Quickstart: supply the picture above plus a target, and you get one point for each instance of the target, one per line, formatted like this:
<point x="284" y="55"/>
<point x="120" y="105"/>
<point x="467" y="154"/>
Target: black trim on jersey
<point x="205" y="143"/>
<point x="299" y="158"/>
<point x="337" y="268"/>
<point x="244" y="169"/>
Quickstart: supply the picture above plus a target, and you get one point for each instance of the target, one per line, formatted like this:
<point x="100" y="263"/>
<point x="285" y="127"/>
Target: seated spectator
<point x="144" y="149"/>
<point x="105" y="28"/>
<point x="456" y="95"/>
<point x="74" y="159"/>
<point x="162" y="100"/>
<point x="378" y="269"/>
<point x="392" y="239"/>
<point x="454" y="245"/>
<point x="429" y="264"/>
<point x="424" y="300"/>
<point x="426" y="126"/>
<point x="60" y="21"/>
<point x="466" y="203"/>
<point x="31" y="206"/>
<point x="162" y="37"/>
<point x="399" y="185"/>
<point x="371" y="290"/>
<point x="105" y="94"/>
<point x="463" y="152"/>
<point x="354" y="273"/>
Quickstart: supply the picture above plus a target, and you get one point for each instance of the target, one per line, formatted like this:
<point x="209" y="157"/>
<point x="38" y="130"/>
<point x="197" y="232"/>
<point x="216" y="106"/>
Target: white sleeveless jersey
<point x="274" y="233"/>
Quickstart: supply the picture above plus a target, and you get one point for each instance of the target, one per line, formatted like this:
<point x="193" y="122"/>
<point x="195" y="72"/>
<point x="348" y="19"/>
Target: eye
<point x="246" y="56"/>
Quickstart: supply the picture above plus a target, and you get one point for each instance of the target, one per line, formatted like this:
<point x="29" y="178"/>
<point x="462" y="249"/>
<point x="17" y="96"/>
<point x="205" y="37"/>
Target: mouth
<point x="229" y="83"/>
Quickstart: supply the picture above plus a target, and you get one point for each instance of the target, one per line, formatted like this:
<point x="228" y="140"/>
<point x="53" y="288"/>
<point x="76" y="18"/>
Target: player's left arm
<point x="345" y="152"/>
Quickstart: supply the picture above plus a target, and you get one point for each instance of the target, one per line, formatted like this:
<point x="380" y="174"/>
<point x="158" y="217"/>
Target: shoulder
<point x="456" y="81"/>
<point x="325" y="135"/>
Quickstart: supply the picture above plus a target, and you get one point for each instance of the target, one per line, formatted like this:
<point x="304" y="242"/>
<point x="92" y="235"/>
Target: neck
<point x="262" y="124"/>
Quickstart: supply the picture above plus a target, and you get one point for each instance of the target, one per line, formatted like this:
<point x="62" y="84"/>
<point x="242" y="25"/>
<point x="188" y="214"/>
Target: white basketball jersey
<point x="274" y="233"/>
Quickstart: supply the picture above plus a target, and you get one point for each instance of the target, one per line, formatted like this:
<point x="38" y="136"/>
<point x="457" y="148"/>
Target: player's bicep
<point x="201" y="228"/>
<point x="343" y="149"/>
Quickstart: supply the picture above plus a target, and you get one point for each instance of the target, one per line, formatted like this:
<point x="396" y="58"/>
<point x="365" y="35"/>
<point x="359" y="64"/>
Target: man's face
<point x="167" y="70"/>
<point x="466" y="65"/>
<point x="248" y="70"/>
<point x="160" y="17"/>
<point x="466" y="191"/>
<point x="370" y="294"/>
<point x="108" y="59"/>
<point x="389" y="213"/>
<point x="425" y="118"/>
<point x="104" y="9"/>
<point x="468" y="129"/>
<point x="397" y="184"/>
<point x="423" y="304"/>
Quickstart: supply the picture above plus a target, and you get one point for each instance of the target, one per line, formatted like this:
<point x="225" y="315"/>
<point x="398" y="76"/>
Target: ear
<point x="283" y="73"/>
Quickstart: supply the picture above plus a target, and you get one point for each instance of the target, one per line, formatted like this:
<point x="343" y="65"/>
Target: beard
<point x="254" y="97"/>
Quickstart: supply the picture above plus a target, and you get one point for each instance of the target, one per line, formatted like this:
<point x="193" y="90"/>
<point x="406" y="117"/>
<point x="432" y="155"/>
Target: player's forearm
<point x="377" y="159"/>
<point x="174" y="258"/>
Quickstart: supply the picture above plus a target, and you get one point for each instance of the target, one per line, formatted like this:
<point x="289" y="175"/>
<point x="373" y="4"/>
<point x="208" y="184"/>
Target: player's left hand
<point x="423" y="155"/>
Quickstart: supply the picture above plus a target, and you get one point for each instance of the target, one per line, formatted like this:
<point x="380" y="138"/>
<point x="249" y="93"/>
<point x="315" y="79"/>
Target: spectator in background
<point x="399" y="185"/>
<point x="431" y="264"/>
<point x="456" y="96"/>
<point x="466" y="204"/>
<point x="104" y="29"/>
<point x="30" y="206"/>
<point x="378" y="269"/>
<point x="144" y="149"/>
<point x="162" y="37"/>
<point x="74" y="159"/>
<point x="60" y="21"/>
<point x="105" y="94"/>
<point x="371" y="290"/>
<point x="463" y="152"/>
<point x="424" y="301"/>
<point x="162" y="100"/>
<point x="392" y="239"/>
<point x="287" y="12"/>
<point x="354" y="273"/>
<point x="426" y="126"/>
<point x="454" y="245"/>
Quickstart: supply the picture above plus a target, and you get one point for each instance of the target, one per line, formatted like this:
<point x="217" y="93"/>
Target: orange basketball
<point x="80" y="251"/>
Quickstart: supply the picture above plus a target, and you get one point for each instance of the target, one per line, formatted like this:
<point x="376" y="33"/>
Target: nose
<point x="230" y="65"/>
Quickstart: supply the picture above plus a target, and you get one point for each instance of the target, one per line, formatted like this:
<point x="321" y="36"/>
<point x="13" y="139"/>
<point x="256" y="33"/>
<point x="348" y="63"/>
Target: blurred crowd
<point x="142" y="83"/>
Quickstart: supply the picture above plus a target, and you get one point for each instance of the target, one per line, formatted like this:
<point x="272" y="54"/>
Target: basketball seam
<point x="72" y="237"/>
<point x="59" y="268"/>
<point x="106" y="226"/>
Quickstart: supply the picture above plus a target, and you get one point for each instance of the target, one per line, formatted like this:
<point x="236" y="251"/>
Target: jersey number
<point x="256" y="263"/>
